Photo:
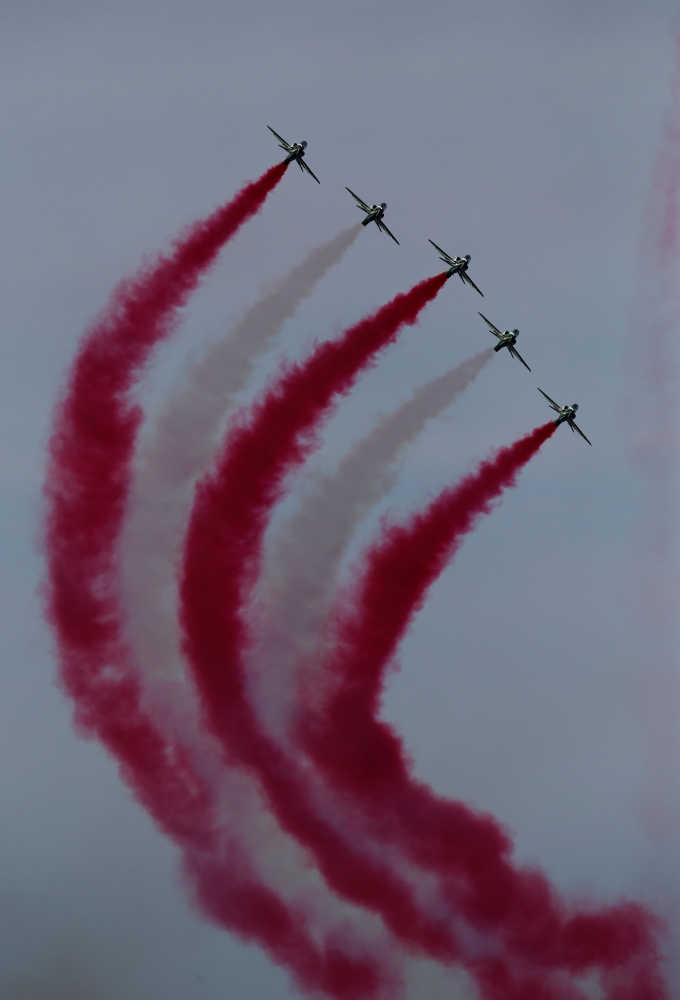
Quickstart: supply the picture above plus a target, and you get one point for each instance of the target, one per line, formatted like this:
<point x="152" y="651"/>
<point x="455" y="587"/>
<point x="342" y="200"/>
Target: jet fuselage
<point x="568" y="413"/>
<point x="296" y="153"/>
<point x="509" y="339"/>
<point x="376" y="214"/>
<point x="460" y="264"/>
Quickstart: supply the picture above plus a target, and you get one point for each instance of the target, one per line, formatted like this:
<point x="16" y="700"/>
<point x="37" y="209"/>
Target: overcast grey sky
<point x="520" y="133"/>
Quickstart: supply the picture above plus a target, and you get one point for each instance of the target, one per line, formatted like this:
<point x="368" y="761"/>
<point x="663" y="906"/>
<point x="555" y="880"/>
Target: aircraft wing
<point x="466" y="277"/>
<point x="515" y="353"/>
<point x="578" y="429"/>
<point x="286" y="145"/>
<point x="362" y="204"/>
<point x="442" y="252"/>
<point x="494" y="329"/>
<point x="381" y="225"/>
<point x="551" y="401"/>
<point x="309" y="170"/>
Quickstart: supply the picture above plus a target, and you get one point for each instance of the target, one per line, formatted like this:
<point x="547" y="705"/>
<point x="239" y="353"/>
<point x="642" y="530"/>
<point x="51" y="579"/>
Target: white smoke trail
<point x="299" y="579"/>
<point x="181" y="444"/>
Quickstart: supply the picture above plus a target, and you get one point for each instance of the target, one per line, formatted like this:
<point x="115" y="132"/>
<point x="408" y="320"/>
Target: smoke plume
<point x="300" y="573"/>
<point x="363" y="759"/>
<point x="87" y="490"/>
<point x="222" y="556"/>
<point x="179" y="447"/>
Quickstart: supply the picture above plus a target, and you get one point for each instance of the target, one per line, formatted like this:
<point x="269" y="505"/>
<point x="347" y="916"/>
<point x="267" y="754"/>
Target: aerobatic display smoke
<point x="299" y="576"/>
<point x="222" y="562"/>
<point x="223" y="552"/>
<point x="298" y="819"/>
<point x="87" y="487"/>
<point x="179" y="447"/>
<point x="362" y="757"/>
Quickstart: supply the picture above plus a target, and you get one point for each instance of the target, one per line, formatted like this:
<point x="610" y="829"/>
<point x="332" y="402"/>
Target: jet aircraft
<point x="566" y="414"/>
<point x="507" y="339"/>
<point x="296" y="151"/>
<point x="457" y="265"/>
<point x="375" y="214"/>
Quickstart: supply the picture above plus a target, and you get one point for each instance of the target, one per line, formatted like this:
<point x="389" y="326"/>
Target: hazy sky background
<point x="521" y="133"/>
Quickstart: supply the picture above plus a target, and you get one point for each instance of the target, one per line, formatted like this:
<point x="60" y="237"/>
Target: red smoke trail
<point x="87" y="488"/>
<point x="363" y="759"/>
<point x="222" y="556"/>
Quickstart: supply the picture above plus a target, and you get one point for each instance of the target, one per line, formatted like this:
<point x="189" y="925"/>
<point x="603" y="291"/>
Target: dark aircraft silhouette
<point x="295" y="152"/>
<point x="375" y="214"/>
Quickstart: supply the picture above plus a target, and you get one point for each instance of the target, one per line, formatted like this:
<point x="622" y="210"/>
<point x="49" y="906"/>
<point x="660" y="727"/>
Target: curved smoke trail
<point x="300" y="574"/>
<point x="173" y="453"/>
<point x="452" y="892"/>
<point x="180" y="446"/>
<point x="362" y="759"/>
<point x="223" y="552"/>
<point x="87" y="489"/>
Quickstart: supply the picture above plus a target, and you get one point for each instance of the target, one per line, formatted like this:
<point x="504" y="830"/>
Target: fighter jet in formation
<point x="507" y="339"/>
<point x="457" y="265"/>
<point x="296" y="151"/>
<point x="375" y="214"/>
<point x="566" y="414"/>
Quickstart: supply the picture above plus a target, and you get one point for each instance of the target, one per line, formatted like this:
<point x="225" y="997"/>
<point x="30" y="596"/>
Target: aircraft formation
<point x="457" y="265"/>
